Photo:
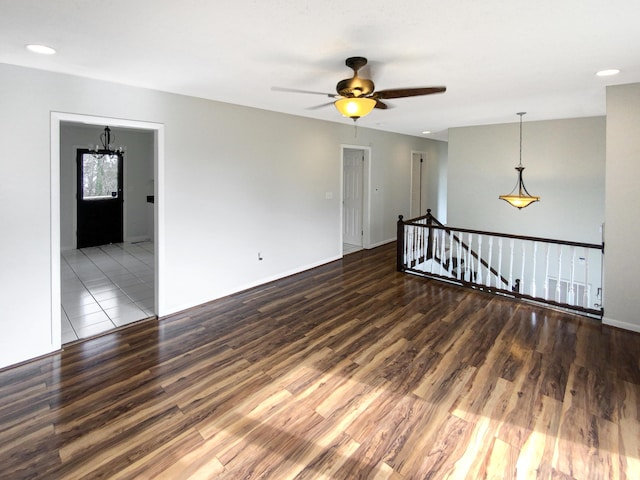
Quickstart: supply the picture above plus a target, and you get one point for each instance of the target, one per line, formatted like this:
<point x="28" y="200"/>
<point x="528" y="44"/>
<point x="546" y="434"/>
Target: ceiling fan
<point x="357" y="97"/>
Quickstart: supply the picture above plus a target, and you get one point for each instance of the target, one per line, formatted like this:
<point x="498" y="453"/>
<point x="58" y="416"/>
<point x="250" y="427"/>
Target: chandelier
<point x="107" y="147"/>
<point x="519" y="196"/>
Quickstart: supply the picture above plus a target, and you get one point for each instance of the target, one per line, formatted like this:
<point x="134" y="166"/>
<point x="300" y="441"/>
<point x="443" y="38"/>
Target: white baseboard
<point x="165" y="311"/>
<point x="140" y="238"/>
<point x="379" y="244"/>
<point x="634" y="327"/>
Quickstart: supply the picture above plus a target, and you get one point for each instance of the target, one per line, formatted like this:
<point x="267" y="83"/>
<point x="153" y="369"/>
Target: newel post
<point x="400" y="245"/>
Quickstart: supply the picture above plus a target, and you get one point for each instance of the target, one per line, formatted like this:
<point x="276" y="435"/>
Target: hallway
<point x="106" y="287"/>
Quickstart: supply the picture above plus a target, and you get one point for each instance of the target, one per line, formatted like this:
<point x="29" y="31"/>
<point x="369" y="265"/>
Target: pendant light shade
<point x="519" y="196"/>
<point x="355" y="107"/>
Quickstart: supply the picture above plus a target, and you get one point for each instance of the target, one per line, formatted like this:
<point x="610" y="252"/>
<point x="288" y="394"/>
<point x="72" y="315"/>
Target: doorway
<point x="355" y="203"/>
<point x="419" y="176"/>
<point x="118" y="279"/>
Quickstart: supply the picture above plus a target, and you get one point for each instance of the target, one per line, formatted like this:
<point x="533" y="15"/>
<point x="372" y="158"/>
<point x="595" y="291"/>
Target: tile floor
<point x="106" y="287"/>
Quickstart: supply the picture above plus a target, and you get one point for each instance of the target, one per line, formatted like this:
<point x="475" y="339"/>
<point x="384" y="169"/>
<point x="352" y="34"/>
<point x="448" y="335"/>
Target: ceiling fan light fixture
<point x="355" y="107"/>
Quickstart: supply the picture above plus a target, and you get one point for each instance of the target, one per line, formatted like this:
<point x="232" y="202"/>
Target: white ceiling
<point x="496" y="57"/>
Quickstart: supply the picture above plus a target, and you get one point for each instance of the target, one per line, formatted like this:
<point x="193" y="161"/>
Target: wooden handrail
<point x="441" y="226"/>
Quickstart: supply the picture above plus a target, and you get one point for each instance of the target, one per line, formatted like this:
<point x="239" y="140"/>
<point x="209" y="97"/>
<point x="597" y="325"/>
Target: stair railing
<point x="555" y="272"/>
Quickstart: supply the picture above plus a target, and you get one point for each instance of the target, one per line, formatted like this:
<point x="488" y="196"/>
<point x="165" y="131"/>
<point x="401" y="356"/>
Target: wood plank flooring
<point x="346" y="371"/>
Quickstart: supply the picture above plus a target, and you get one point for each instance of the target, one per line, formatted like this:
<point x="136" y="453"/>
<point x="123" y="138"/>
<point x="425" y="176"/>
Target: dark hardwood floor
<point x="346" y="371"/>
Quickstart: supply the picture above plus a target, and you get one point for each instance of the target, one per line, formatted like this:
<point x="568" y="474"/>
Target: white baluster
<point x="434" y="235"/>
<point x="512" y="245"/>
<point x="522" y="270"/>
<point x="469" y="259"/>
<point x="586" y="301"/>
<point x="442" y="251"/>
<point x="533" y="274"/>
<point x="461" y="262"/>
<point x="489" y="262"/>
<point x="499" y="279"/>
<point x="571" y="299"/>
<point x="450" y="254"/>
<point x="559" y="272"/>
<point x="412" y="235"/>
<point x="420" y="246"/>
<point x="479" y="276"/>
<point x="407" y="234"/>
<point x="546" y="273"/>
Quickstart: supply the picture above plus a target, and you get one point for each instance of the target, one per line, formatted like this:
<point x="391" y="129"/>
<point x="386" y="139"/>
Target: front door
<point x="99" y="198"/>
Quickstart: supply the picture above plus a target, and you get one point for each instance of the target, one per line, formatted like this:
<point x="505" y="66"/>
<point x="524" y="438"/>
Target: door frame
<point x="366" y="193"/>
<point x="158" y="172"/>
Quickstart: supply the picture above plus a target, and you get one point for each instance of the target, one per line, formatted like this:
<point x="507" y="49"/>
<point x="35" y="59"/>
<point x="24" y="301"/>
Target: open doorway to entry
<point x="111" y="281"/>
<point x="355" y="198"/>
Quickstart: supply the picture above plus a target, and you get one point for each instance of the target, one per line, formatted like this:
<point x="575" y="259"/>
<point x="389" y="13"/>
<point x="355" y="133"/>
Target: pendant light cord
<point x="521" y="114"/>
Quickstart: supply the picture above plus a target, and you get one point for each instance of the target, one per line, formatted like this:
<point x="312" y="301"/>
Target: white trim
<point x="56" y="287"/>
<point x="634" y="327"/>
<point x="257" y="283"/>
<point x="366" y="207"/>
<point x="139" y="238"/>
<point x="384" y="242"/>
<point x="158" y="129"/>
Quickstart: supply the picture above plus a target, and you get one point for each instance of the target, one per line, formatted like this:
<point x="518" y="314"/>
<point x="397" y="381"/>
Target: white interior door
<point x="418" y="184"/>
<point x="353" y="196"/>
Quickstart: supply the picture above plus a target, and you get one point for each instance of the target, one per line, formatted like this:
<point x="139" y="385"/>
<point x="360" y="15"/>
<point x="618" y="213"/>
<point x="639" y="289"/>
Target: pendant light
<point x="520" y="197"/>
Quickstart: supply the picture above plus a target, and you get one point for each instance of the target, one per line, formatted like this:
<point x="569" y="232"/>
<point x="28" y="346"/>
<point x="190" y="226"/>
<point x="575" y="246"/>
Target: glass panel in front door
<point x="99" y="176"/>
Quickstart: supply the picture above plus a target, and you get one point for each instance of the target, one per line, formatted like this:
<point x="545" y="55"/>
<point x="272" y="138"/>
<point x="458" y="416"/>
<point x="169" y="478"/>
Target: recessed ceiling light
<point x="608" y="72"/>
<point x="426" y="132"/>
<point x="41" y="49"/>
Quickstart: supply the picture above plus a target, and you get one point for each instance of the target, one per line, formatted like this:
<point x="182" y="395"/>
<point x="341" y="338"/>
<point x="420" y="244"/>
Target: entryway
<point x="107" y="272"/>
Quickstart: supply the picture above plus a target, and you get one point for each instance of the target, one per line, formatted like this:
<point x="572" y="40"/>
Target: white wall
<point x="138" y="179"/>
<point x="441" y="152"/>
<point x="622" y="229"/>
<point x="236" y="181"/>
<point x="564" y="164"/>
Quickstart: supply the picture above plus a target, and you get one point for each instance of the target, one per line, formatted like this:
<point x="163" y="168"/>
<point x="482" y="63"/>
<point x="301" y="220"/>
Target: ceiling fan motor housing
<point x="355" y="86"/>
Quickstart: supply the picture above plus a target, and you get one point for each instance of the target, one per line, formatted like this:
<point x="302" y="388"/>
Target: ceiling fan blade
<point x="295" y="90"/>
<point x="320" y="106"/>
<point x="380" y="105"/>
<point x="408" y="92"/>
